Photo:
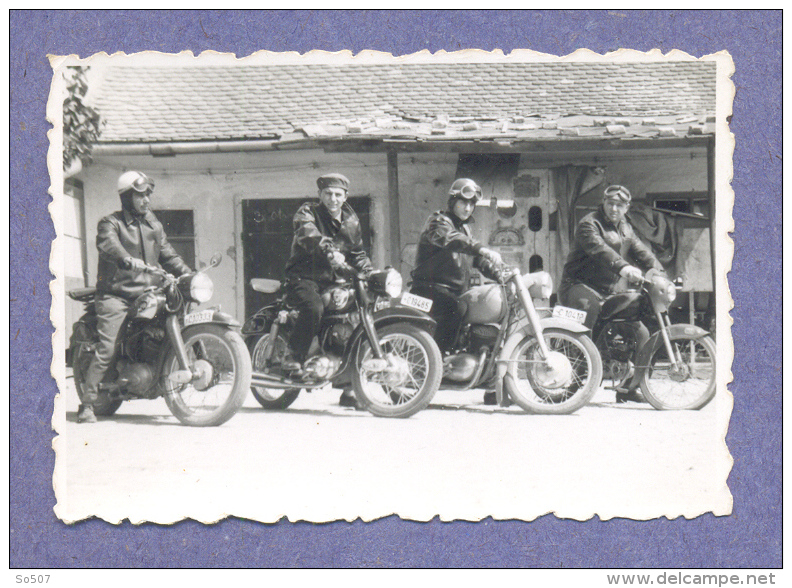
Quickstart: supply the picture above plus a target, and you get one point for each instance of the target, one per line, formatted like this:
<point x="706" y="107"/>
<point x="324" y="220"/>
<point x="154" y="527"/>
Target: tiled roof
<point x="430" y="101"/>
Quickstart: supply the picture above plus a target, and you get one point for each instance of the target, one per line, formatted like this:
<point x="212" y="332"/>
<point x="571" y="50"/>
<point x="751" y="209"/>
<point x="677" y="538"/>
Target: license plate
<point x="202" y="316"/>
<point x="579" y="316"/>
<point x="418" y="302"/>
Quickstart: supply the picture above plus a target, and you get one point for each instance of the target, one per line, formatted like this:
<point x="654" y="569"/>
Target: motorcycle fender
<point x="219" y="318"/>
<point x="398" y="314"/>
<point x="553" y="322"/>
<point x="525" y="330"/>
<point x="395" y="314"/>
<point x="223" y="318"/>
<point x="382" y="318"/>
<point x="656" y="340"/>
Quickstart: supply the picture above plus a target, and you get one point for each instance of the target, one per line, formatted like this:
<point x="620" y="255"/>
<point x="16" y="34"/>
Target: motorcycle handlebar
<point x="346" y="271"/>
<point x="156" y="271"/>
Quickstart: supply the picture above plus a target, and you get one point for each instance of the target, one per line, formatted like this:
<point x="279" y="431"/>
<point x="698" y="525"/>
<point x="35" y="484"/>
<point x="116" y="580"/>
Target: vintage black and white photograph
<point x="329" y="287"/>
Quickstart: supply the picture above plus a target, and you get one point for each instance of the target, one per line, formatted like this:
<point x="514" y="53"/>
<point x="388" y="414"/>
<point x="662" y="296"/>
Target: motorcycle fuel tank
<point x="483" y="304"/>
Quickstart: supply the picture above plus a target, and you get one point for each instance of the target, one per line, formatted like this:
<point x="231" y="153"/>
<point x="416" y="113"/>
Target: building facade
<point x="235" y="150"/>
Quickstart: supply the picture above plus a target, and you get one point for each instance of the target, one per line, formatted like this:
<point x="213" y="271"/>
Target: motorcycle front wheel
<point x="412" y="378"/>
<point x="219" y="358"/>
<point x="691" y="385"/>
<point x="270" y="398"/>
<point x="524" y="381"/>
<point x="105" y="405"/>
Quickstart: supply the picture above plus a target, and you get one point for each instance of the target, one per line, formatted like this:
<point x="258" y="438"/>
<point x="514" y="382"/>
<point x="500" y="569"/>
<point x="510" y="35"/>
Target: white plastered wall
<point x="213" y="185"/>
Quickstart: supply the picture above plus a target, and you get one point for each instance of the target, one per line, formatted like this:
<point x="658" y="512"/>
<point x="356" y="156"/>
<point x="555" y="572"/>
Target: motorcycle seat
<point x="82" y="294"/>
<point x="265" y="286"/>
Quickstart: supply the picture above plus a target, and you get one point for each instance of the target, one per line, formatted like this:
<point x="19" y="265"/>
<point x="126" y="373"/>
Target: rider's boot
<point x="628" y="395"/>
<point x="290" y="365"/>
<point x="349" y="400"/>
<point x="85" y="413"/>
<point x="490" y="398"/>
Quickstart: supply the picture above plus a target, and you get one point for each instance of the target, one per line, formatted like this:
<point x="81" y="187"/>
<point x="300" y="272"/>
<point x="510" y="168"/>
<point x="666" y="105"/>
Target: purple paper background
<point x="750" y="537"/>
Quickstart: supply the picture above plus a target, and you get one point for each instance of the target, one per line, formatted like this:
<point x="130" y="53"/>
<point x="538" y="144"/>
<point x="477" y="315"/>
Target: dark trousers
<point x="305" y="297"/>
<point x="445" y="310"/>
<point x="110" y="314"/>
<point x="582" y="297"/>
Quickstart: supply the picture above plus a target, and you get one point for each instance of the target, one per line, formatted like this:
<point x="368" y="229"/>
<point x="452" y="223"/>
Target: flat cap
<point x="333" y="181"/>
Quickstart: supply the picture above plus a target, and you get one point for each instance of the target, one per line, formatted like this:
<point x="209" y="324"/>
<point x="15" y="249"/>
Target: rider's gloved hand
<point x="491" y="255"/>
<point x="336" y="259"/>
<point x="135" y="264"/>
<point x="632" y="273"/>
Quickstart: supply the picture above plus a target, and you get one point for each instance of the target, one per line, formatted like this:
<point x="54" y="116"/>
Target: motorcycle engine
<point x="321" y="367"/>
<point x="483" y="336"/>
<point x="617" y="342"/>
<point x="335" y="333"/>
<point x="459" y="367"/>
<point x="145" y="345"/>
<point x="137" y="377"/>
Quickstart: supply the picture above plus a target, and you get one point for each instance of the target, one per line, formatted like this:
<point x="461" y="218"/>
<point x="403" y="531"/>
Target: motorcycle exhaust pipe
<point x="267" y="381"/>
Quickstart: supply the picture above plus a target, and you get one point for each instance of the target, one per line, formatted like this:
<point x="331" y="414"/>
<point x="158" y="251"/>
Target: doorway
<point x="267" y="234"/>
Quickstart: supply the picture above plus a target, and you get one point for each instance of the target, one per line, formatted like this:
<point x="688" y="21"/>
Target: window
<point x="180" y="230"/>
<point x="686" y="202"/>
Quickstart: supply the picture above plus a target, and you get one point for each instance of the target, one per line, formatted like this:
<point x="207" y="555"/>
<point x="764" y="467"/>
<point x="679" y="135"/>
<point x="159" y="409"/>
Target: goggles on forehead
<point x="468" y="192"/>
<point x="142" y="183"/>
<point x="619" y="193"/>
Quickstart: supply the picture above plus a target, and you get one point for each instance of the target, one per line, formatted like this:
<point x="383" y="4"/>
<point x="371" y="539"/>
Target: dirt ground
<point x="318" y="461"/>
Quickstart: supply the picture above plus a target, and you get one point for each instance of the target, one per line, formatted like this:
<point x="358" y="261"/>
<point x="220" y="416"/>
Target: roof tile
<point x="204" y="103"/>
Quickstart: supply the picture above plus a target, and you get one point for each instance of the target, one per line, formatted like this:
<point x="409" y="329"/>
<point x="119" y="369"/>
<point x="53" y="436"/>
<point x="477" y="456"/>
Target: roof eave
<point x="383" y="143"/>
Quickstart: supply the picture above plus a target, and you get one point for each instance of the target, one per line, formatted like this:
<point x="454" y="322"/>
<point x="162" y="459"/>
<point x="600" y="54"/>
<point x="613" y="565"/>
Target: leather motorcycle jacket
<point x="316" y="235"/>
<point x="600" y="250"/>
<point x="446" y="253"/>
<point x="124" y="234"/>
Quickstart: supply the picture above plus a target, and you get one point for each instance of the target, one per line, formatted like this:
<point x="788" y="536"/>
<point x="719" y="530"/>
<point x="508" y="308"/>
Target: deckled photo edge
<point x="725" y="198"/>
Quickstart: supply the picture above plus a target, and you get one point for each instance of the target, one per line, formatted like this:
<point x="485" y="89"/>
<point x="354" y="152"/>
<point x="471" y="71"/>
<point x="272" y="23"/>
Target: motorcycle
<point x="675" y="366"/>
<point x="196" y="361"/>
<point x="385" y="354"/>
<point x="544" y="363"/>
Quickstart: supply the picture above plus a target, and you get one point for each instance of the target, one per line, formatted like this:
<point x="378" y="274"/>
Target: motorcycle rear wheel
<point x="692" y="387"/>
<point x="531" y="396"/>
<point x="419" y="354"/>
<point x="105" y="405"/>
<point x="270" y="398"/>
<point x="227" y="366"/>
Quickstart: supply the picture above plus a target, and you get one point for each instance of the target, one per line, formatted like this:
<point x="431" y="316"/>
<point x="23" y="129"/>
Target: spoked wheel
<point x="105" y="404"/>
<point x="270" y="398"/>
<point x="409" y="381"/>
<point x="220" y="359"/>
<point x="563" y="384"/>
<point x="689" y="386"/>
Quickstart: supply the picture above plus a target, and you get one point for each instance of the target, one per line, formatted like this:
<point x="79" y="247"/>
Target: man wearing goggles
<point x="446" y="252"/>
<point x="128" y="241"/>
<point x="604" y="241"/>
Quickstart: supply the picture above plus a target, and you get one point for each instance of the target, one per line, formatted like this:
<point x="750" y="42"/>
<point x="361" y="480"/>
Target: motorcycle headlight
<point x="393" y="283"/>
<point x="540" y="284"/>
<point x="387" y="281"/>
<point x="670" y="292"/>
<point x="201" y="287"/>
